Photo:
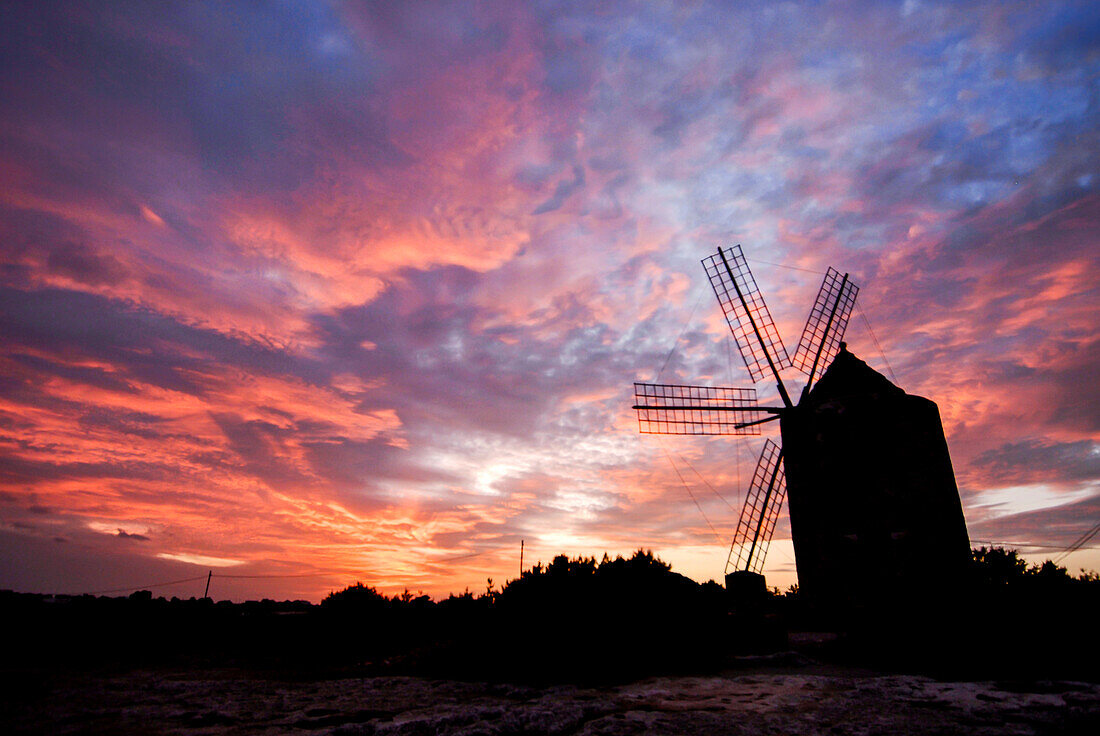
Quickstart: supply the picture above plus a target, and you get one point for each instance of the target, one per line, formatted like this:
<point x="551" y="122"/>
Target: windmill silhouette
<point x="872" y="492"/>
<point x="709" y="410"/>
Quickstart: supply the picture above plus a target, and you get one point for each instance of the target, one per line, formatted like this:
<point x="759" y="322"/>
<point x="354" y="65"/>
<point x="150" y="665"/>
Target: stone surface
<point x="166" y="702"/>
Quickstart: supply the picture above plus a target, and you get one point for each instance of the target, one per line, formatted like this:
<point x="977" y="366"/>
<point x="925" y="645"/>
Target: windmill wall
<point x="874" y="508"/>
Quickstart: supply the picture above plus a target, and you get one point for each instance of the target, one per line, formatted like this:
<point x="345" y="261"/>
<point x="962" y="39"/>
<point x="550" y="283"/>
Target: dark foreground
<point x="784" y="694"/>
<point x="615" y="647"/>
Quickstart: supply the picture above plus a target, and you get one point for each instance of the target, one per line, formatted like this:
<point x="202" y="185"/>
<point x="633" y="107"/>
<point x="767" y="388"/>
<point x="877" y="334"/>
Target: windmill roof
<point x="850" y="376"/>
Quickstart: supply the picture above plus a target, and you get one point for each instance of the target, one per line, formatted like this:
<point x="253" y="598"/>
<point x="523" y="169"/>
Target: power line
<point x="737" y="460"/>
<point x="736" y="445"/>
<point x="996" y="543"/>
<point x="682" y="331"/>
<point x="693" y="499"/>
<point x="1074" y="546"/>
<point x="292" y="575"/>
<point x="729" y="358"/>
<point x="878" y="347"/>
<point x="708" y="485"/>
<point x="144" y="587"/>
<point x="780" y="265"/>
<point x="463" y="557"/>
<point x="262" y="576"/>
<point x="1080" y="542"/>
<point x="866" y="322"/>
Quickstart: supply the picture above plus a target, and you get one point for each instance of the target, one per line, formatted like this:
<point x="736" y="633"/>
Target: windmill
<point x="705" y="410"/>
<point x="872" y="492"/>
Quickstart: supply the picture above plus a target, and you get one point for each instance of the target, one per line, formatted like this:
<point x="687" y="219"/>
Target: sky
<point x="316" y="293"/>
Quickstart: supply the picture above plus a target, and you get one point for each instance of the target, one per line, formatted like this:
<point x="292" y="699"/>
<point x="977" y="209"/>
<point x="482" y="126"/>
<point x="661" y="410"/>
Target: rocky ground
<point x="749" y="700"/>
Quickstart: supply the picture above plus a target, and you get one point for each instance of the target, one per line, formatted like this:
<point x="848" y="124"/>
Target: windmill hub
<point x="872" y="497"/>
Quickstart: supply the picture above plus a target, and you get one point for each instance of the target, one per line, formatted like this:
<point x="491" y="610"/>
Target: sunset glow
<point x="324" y="292"/>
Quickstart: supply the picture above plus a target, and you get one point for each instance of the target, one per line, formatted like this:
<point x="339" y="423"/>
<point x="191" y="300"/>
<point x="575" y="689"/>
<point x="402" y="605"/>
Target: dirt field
<point x="787" y="702"/>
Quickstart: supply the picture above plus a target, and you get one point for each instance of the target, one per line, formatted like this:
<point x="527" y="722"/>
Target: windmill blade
<point x="746" y="313"/>
<point x="761" y="510"/>
<point x="698" y="410"/>
<point x="826" y="324"/>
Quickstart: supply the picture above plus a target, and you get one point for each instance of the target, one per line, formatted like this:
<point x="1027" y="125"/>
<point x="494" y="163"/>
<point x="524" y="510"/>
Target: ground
<point x="786" y="699"/>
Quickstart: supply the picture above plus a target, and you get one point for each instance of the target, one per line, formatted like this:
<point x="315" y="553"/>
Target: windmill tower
<point x="871" y="494"/>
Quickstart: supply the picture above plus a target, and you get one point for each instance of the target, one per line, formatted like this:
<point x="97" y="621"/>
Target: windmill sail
<point x="747" y="314"/>
<point x="761" y="510"/>
<point x="697" y="410"/>
<point x="826" y="324"/>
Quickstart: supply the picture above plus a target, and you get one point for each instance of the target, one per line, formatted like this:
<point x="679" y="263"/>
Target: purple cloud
<point x="366" y="286"/>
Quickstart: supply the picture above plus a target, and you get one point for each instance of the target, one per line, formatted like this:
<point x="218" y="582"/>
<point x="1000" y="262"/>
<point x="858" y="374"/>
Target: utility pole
<point x="521" y="558"/>
<point x="209" y="574"/>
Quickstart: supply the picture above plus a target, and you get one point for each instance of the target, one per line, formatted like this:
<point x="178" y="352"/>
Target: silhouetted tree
<point x="1051" y="572"/>
<point x="356" y="597"/>
<point x="1004" y="567"/>
<point x="997" y="565"/>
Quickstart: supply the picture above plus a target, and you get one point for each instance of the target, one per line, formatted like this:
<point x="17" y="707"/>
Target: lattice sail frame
<point x="695" y="410"/>
<point x="826" y="324"/>
<point x="760" y="512"/>
<point x="726" y="289"/>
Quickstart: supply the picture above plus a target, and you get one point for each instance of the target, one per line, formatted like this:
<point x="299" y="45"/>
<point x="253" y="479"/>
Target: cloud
<point x="1030" y="461"/>
<point x="199" y="560"/>
<point x="365" y="287"/>
<point x="562" y="191"/>
<point x="1060" y="525"/>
